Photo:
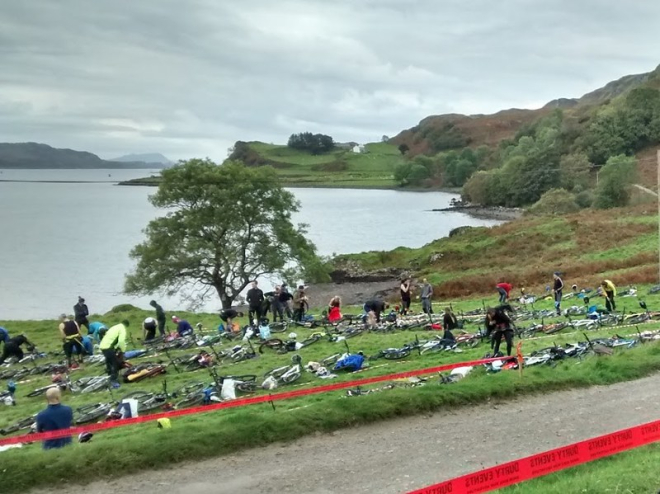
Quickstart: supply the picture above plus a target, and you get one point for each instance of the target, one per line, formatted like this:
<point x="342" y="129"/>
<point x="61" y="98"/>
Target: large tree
<point x="224" y="227"/>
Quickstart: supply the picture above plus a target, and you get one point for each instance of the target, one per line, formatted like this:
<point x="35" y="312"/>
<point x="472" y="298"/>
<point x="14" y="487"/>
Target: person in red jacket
<point x="504" y="289"/>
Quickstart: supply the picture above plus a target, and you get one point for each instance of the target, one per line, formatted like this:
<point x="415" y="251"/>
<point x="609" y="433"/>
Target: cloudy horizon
<point x="190" y="78"/>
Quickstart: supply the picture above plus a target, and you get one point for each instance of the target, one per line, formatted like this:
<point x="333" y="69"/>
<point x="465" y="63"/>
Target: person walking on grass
<point x="609" y="292"/>
<point x="426" y="295"/>
<point x="160" y="317"/>
<point x="504" y="290"/>
<point x="557" y="290"/>
<point x="71" y="339"/>
<point x="405" y="296"/>
<point x="55" y="417"/>
<point x="255" y="300"/>
<point x="80" y="312"/>
<point x="114" y="342"/>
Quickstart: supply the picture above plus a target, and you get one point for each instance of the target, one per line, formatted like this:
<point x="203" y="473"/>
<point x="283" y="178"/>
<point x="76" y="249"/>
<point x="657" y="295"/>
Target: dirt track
<point x="399" y="455"/>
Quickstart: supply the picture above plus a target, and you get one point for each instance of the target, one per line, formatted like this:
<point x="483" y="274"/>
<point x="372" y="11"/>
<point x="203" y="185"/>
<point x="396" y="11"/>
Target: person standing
<point x="160" y="317"/>
<point x="113" y="342"/>
<point x="405" y="296"/>
<point x="285" y="300"/>
<point x="71" y="339"/>
<point x="255" y="299"/>
<point x="276" y="306"/>
<point x="609" y="291"/>
<point x="504" y="290"/>
<point x="557" y="290"/>
<point x="426" y="296"/>
<point x="81" y="312"/>
<point x="55" y="417"/>
<point x="299" y="303"/>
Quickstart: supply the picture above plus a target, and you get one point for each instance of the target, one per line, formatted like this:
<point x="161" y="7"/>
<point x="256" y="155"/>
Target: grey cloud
<point x="190" y="78"/>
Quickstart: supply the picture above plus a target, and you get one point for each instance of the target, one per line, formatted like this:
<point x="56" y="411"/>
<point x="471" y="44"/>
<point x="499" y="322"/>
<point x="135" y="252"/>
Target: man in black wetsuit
<point x="375" y="306"/>
<point x="498" y="324"/>
<point x="13" y="348"/>
<point x="255" y="299"/>
<point x="160" y="316"/>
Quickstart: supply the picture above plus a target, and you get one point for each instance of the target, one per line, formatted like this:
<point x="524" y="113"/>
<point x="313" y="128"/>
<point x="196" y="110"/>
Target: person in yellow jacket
<point x="114" y="341"/>
<point x="609" y="291"/>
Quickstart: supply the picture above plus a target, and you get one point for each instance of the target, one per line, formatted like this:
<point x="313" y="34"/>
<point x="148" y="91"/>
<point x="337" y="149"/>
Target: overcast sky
<point x="187" y="78"/>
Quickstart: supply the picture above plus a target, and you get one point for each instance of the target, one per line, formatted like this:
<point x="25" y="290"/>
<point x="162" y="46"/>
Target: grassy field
<point x="631" y="472"/>
<point x="620" y="244"/>
<point x="206" y="435"/>
<point x="341" y="168"/>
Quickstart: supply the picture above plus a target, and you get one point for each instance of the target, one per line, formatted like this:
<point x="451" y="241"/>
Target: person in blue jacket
<point x="4" y="335"/>
<point x="183" y="327"/>
<point x="95" y="330"/>
<point x="54" y="418"/>
<point x="88" y="345"/>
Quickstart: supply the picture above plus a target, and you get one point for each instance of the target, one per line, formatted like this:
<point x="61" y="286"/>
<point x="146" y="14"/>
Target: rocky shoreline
<point x="487" y="213"/>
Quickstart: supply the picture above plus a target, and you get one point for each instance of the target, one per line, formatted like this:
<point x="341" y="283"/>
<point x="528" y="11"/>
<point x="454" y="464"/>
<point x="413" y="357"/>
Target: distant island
<point x="149" y="158"/>
<point x="32" y="155"/>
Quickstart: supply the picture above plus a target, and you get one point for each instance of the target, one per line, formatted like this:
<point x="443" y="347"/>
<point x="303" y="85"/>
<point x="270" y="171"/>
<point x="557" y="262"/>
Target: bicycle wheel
<point x="90" y="413"/>
<point x="292" y="377"/>
<point x="246" y="386"/>
<point x="146" y="401"/>
<point x="191" y="400"/>
<point x="189" y="388"/>
<point x="397" y="354"/>
<point x="39" y="392"/>
<point x="96" y="384"/>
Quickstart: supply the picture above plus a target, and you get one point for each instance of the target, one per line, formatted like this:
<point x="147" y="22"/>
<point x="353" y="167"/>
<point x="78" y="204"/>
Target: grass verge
<point x="630" y="472"/>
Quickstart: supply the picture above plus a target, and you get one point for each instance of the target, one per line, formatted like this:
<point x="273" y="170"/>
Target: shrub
<point x="554" y="202"/>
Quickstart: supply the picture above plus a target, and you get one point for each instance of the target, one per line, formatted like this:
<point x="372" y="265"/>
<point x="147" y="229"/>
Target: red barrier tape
<point x="547" y="462"/>
<point x="28" y="438"/>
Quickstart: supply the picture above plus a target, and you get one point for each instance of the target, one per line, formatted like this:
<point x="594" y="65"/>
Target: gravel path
<point x="399" y="455"/>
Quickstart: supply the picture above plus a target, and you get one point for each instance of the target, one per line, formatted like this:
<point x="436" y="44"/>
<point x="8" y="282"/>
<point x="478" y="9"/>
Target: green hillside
<point x="372" y="168"/>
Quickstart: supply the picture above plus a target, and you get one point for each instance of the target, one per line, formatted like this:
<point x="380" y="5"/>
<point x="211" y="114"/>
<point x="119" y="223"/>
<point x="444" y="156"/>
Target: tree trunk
<point x="226" y="300"/>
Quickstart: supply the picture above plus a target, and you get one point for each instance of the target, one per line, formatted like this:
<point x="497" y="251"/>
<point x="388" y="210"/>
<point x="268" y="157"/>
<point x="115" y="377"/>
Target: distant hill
<point x="438" y="133"/>
<point x="150" y="158"/>
<point x="32" y="155"/>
